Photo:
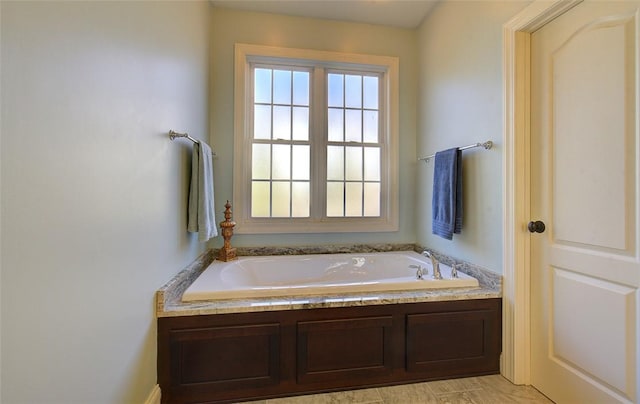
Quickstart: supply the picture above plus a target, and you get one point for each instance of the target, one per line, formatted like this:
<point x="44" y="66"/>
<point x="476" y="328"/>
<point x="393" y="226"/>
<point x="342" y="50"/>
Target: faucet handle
<point x="420" y="272"/>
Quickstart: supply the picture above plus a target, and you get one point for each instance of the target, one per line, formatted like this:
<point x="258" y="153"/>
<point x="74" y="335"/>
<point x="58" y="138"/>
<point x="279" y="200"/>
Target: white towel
<point x="202" y="218"/>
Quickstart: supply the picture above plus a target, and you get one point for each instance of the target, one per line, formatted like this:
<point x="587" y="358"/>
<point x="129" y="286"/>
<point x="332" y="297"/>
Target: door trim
<point x="516" y="39"/>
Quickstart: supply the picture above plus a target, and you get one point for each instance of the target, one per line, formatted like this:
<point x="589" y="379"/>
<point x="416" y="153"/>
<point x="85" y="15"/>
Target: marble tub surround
<point x="483" y="275"/>
<point x="324" y="249"/>
<point x="178" y="308"/>
<point x="169" y="304"/>
<point x="171" y="292"/>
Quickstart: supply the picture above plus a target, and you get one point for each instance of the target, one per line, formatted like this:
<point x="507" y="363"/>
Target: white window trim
<point x="388" y="220"/>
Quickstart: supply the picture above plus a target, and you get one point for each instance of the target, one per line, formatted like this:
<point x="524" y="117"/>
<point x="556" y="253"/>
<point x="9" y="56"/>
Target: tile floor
<point x="493" y="389"/>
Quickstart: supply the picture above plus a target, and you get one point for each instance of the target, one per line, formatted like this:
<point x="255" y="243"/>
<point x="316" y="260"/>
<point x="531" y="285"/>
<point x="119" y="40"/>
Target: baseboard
<point x="154" y="396"/>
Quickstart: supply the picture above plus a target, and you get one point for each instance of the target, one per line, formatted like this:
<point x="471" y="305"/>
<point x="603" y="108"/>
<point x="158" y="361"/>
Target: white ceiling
<point x="395" y="13"/>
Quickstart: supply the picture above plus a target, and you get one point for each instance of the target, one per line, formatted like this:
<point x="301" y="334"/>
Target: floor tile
<point x="461" y="397"/>
<point x="493" y="389"/>
<point x="497" y="387"/>
<point x="408" y="393"/>
<point x="454" y="385"/>
<point x="364" y="396"/>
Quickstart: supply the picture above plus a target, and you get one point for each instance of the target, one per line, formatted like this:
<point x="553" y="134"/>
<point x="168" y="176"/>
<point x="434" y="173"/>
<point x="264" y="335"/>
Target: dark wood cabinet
<point x="231" y="357"/>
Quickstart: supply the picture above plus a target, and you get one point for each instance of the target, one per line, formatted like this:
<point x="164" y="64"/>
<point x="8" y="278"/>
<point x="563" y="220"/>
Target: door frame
<point x="516" y="40"/>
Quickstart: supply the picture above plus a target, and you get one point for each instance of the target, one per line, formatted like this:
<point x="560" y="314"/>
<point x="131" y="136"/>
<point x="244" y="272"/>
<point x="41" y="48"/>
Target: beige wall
<point x="93" y="191"/>
<point x="229" y="27"/>
<point x="460" y="103"/>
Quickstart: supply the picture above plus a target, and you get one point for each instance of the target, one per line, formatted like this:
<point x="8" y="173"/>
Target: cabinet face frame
<point x="372" y="346"/>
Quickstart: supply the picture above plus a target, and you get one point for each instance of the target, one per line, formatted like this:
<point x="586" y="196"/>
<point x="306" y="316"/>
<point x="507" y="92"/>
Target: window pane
<point x="281" y="167"/>
<point x="261" y="162"/>
<point x="262" y="91"/>
<point x="353" y="163"/>
<point x="353" y="91"/>
<point x="353" y="199"/>
<point x="370" y="92"/>
<point x="335" y="125"/>
<point x="301" y="88"/>
<point x="335" y="90"/>
<point x="370" y="126"/>
<point x="281" y="122"/>
<point x="335" y="163"/>
<point x="300" y="123"/>
<point x="280" y="199"/>
<point x="372" y="199"/>
<point x="300" y="199"/>
<point x="335" y="199"/>
<point x="260" y="197"/>
<point x="262" y="122"/>
<point x="353" y="126"/>
<point x="300" y="166"/>
<point x="282" y="87"/>
<point x="371" y="164"/>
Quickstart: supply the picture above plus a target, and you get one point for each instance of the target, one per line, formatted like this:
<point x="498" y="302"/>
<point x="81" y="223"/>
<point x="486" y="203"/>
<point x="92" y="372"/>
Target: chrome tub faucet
<point x="434" y="263"/>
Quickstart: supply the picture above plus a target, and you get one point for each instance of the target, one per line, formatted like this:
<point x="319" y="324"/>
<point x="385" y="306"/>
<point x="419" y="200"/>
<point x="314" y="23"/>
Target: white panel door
<point x="584" y="187"/>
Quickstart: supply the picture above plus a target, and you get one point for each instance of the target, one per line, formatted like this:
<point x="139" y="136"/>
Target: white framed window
<point x="315" y="142"/>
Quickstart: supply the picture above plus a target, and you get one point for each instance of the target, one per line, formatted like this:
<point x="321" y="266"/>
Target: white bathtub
<point x="322" y="274"/>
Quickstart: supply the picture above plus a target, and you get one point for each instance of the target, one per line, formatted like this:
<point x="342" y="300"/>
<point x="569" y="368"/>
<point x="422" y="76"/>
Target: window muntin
<point x="355" y="210"/>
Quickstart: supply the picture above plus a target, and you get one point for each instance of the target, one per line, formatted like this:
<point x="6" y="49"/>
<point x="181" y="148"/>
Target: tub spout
<point x="434" y="263"/>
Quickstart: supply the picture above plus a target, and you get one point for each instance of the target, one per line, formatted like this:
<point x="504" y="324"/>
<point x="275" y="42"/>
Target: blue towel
<point x="202" y="218"/>
<point x="458" y="226"/>
<point x="446" y="204"/>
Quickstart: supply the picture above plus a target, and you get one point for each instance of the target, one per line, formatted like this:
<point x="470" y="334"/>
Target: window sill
<point x="338" y="225"/>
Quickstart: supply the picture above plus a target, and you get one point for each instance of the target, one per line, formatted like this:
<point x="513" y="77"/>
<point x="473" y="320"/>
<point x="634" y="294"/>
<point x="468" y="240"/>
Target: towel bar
<point x="487" y="145"/>
<point x="173" y="135"/>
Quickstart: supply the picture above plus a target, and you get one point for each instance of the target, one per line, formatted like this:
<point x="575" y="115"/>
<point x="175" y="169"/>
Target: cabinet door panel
<point x="223" y="358"/>
<point x="452" y="343"/>
<point x="334" y="350"/>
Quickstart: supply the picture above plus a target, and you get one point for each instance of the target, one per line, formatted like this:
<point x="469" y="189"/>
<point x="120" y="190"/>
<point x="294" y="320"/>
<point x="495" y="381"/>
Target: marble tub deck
<point x="169" y="303"/>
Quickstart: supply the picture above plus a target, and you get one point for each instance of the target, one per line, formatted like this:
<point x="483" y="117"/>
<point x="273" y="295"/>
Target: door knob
<point x="536" y="227"/>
